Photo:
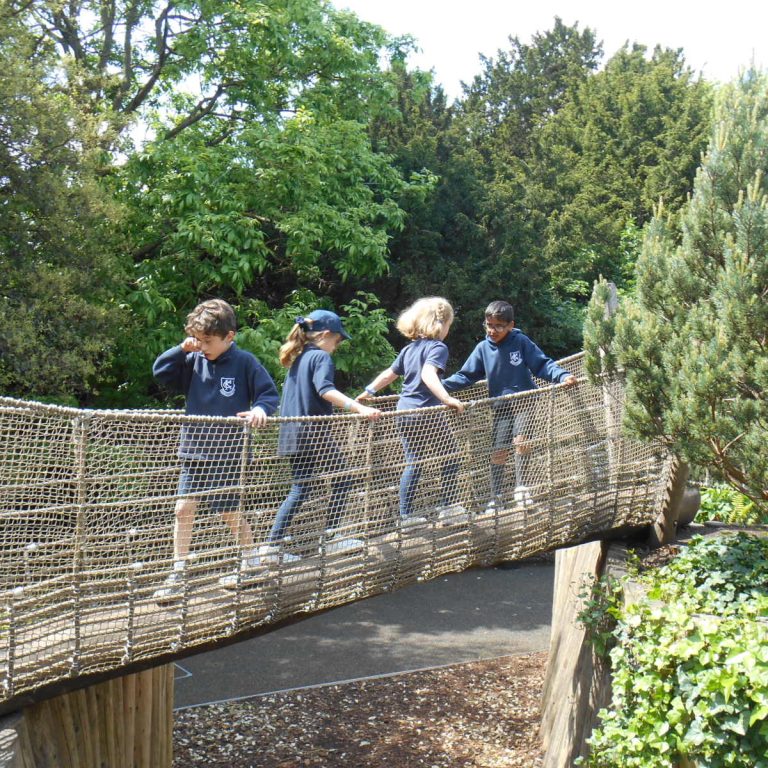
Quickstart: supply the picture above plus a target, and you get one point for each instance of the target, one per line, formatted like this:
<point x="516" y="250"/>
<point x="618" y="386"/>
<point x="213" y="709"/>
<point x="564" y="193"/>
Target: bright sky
<point x="717" y="41"/>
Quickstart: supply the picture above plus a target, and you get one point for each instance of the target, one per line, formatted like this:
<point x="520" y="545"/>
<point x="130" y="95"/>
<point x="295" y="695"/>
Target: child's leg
<point x="501" y="440"/>
<point x="522" y="449"/>
<point x="498" y="469"/>
<point x="182" y="529"/>
<point x="409" y="480"/>
<point x="240" y="527"/>
<point x="301" y="468"/>
<point x="340" y="487"/>
<point x="443" y="434"/>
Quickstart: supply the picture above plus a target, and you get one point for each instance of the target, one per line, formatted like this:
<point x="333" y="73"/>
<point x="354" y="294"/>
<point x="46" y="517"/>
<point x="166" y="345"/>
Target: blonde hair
<point x="296" y="340"/>
<point x="425" y="318"/>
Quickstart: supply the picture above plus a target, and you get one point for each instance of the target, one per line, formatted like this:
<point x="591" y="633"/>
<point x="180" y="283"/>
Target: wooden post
<point x="664" y="530"/>
<point x="122" y="723"/>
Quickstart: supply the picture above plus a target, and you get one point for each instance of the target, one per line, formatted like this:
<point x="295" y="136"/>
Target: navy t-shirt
<point x="309" y="378"/>
<point x="408" y="364"/>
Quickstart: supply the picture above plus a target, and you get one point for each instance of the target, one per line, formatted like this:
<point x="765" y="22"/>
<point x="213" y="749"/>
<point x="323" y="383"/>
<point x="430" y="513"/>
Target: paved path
<point x="478" y="614"/>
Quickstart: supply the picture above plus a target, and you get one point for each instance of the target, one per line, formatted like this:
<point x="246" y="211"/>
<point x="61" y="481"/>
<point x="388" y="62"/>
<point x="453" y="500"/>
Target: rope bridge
<point x="87" y="508"/>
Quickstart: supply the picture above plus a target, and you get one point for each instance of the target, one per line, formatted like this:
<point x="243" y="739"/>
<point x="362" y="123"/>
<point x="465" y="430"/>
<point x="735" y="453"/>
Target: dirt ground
<point x="481" y="714"/>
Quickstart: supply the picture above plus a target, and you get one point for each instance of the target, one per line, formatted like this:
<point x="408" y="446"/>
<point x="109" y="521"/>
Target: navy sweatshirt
<point x="509" y="366"/>
<point x="236" y="381"/>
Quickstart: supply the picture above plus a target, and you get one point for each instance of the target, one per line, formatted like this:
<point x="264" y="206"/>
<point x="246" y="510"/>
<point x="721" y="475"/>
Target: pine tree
<point x="693" y="339"/>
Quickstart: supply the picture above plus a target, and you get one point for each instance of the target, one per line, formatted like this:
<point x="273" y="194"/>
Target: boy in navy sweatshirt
<point x="509" y="360"/>
<point x="217" y="379"/>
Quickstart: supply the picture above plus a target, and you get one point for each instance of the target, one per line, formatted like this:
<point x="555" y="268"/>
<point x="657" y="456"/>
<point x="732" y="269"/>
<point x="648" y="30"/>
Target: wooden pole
<point x="122" y="723"/>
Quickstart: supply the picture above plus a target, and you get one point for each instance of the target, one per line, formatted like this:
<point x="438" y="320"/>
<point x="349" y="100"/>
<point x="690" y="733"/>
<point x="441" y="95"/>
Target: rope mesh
<point x="87" y="503"/>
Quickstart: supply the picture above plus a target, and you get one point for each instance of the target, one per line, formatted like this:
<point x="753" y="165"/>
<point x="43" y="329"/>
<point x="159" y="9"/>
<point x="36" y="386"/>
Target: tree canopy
<point x="282" y="155"/>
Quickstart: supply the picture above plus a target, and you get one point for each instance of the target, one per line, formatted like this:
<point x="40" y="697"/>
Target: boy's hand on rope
<point x="256" y="417"/>
<point x="571" y="381"/>
<point x="455" y="404"/>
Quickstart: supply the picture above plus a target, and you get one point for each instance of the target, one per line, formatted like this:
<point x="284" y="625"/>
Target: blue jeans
<point x="305" y="467"/>
<point x="421" y="435"/>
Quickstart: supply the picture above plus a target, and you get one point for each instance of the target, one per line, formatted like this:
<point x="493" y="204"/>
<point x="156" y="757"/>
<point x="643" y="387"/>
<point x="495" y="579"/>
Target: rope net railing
<point x="87" y="504"/>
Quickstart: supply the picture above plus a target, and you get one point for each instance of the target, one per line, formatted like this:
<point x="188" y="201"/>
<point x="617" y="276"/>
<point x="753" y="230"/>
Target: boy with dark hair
<point x="217" y="378"/>
<point x="509" y="360"/>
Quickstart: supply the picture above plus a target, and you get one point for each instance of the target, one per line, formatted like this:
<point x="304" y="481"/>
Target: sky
<point x="717" y="42"/>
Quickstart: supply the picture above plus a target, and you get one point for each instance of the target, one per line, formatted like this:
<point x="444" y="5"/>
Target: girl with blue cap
<point x="309" y="390"/>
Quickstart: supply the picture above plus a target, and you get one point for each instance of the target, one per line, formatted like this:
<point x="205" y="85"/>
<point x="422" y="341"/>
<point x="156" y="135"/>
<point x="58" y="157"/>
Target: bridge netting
<point x="87" y="508"/>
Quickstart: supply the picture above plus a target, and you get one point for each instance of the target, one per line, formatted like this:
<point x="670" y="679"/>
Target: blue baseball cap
<point x="325" y="320"/>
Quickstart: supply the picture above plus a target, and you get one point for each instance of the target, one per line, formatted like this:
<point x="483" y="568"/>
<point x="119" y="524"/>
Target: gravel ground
<point x="481" y="714"/>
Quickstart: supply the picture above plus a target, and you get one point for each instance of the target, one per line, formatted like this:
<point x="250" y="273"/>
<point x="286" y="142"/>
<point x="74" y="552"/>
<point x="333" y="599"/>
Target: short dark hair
<point x="211" y="318"/>
<point x="501" y="309"/>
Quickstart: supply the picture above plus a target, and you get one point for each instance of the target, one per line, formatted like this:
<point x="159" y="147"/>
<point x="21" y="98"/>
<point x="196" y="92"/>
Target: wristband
<point x="371" y="391"/>
<point x="348" y="405"/>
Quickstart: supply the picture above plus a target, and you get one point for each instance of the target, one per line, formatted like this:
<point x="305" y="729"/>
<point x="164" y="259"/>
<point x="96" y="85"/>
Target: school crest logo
<point x="515" y="358"/>
<point x="227" y="386"/>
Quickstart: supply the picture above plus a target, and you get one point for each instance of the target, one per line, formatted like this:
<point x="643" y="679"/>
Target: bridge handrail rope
<point x="87" y="507"/>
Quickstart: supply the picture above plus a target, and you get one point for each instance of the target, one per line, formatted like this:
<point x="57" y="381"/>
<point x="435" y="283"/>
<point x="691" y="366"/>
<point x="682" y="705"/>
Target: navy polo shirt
<point x="408" y="364"/>
<point x="309" y="378"/>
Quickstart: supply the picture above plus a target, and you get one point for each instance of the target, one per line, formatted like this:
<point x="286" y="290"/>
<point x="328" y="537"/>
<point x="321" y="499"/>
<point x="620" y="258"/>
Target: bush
<point x="690" y="665"/>
<point x="726" y="505"/>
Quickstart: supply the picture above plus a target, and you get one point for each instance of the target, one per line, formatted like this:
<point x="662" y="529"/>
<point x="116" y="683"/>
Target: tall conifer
<point x="694" y="339"/>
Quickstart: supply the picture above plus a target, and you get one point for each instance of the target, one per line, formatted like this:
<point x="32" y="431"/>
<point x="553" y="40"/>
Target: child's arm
<point x="264" y="396"/>
<point x="340" y="400"/>
<point x="430" y="375"/>
<point x="470" y="373"/>
<point x="384" y="379"/>
<point x="545" y="367"/>
<point x="172" y="369"/>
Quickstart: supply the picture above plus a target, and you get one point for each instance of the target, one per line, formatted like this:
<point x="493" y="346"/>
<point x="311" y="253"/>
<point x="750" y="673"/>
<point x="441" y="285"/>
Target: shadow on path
<point x="478" y="614"/>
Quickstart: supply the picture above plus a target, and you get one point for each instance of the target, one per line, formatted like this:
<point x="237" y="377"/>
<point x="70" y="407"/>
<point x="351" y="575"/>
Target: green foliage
<point x="693" y="340"/>
<point x="726" y="505"/>
<point x="368" y="352"/>
<point x="59" y="273"/>
<point x="600" y="608"/>
<point x="690" y="665"/>
<point x="600" y="330"/>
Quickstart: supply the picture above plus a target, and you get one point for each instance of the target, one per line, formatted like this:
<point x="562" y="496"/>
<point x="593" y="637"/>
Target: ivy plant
<point x="690" y="663"/>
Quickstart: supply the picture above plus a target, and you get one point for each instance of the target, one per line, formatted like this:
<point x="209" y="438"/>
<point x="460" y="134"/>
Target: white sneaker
<point x="453" y="513"/>
<point x="248" y="571"/>
<point x="492" y="506"/>
<point x="273" y="554"/>
<point x="341" y="545"/>
<point x="523" y="496"/>
<point x="410" y="520"/>
<point x="172" y="590"/>
<point x="268" y="554"/>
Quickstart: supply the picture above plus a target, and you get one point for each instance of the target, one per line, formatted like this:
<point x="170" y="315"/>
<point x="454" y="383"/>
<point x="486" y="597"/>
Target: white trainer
<point x="452" y="514"/>
<point x="172" y="590"/>
<point x="408" y="521"/>
<point x="523" y="496"/>
<point x="342" y="545"/>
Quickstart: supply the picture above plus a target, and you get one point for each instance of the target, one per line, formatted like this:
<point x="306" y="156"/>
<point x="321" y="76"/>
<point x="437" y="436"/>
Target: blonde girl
<point x="421" y="363"/>
<point x="309" y="390"/>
